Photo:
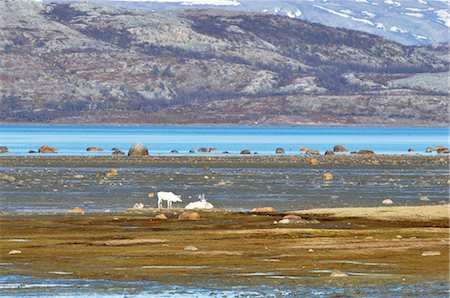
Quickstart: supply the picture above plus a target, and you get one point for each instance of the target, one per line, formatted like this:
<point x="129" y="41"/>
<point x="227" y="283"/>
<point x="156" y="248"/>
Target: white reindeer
<point x="169" y="197"/>
<point x="201" y="204"/>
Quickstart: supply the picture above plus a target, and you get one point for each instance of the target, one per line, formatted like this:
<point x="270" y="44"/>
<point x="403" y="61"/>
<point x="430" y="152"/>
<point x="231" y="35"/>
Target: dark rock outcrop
<point x="339" y="148"/>
<point x="47" y="149"/>
<point x="279" y="151"/>
<point x="365" y="152"/>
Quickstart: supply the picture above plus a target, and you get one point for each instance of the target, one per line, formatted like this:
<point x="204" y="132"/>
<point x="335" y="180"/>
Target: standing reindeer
<point x="169" y="197"/>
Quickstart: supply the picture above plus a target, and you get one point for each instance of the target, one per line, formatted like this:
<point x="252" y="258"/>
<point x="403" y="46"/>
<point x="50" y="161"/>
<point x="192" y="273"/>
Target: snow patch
<point x="369" y="14"/>
<point x="398" y="29"/>
<point x="363" y="21"/>
<point x="444" y="16"/>
<point x="332" y="11"/>
<point x="414" y="14"/>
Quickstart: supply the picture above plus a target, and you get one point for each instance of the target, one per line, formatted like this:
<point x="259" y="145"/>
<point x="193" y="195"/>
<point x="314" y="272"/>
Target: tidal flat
<point x="393" y="250"/>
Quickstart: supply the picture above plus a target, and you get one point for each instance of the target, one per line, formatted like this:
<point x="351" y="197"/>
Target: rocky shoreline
<point x="300" y="161"/>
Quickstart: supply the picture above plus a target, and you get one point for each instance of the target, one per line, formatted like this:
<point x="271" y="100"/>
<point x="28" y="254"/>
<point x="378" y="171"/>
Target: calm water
<point x="73" y="140"/>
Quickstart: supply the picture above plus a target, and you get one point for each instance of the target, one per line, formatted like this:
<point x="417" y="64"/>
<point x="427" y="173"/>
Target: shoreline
<point x="301" y="161"/>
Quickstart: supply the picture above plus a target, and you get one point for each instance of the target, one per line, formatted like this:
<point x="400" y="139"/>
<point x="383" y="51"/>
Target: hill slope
<point x="93" y="63"/>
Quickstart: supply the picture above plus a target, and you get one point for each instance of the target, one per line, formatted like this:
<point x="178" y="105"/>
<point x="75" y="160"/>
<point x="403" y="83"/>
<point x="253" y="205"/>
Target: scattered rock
<point x="117" y="152"/>
<point x="314" y="161"/>
<point x="442" y="151"/>
<point x="4" y="149"/>
<point x="429" y="150"/>
<point x="365" y="152"/>
<point x="190" y="248"/>
<point x="138" y="150"/>
<point x="327" y="176"/>
<point x="279" y="151"/>
<point x="76" y="210"/>
<point x="14" y="252"/>
<point x="339" y="148"/>
<point x="424" y="198"/>
<point x="329" y="152"/>
<point x="151" y="195"/>
<point x="245" y="151"/>
<point x="292" y="216"/>
<point x="388" y="202"/>
<point x="338" y="273"/>
<point x="189" y="216"/>
<point x="112" y="173"/>
<point x="47" y="149"/>
<point x="160" y="216"/>
<point x="8" y="178"/>
<point x="78" y="176"/>
<point x="431" y="253"/>
<point x="94" y="149"/>
<point x="310" y="250"/>
<point x="212" y="150"/>
<point x="263" y="209"/>
<point x="313" y="152"/>
<point x="203" y="150"/>
<point x="138" y="206"/>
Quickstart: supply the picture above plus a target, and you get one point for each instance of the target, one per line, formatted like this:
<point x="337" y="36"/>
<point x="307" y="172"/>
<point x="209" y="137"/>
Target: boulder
<point x="443" y="150"/>
<point x="203" y="150"/>
<point x="160" y="216"/>
<point x="4" y="149"/>
<point x="246" y="151"/>
<point x="411" y="150"/>
<point x="429" y="150"/>
<point x="189" y="216"/>
<point x="365" y="152"/>
<point x="14" y="252"/>
<point x="32" y="151"/>
<point x="279" y="151"/>
<point x="117" y="152"/>
<point x="151" y="195"/>
<point x="212" y="150"/>
<point x="225" y="152"/>
<point x="174" y="151"/>
<point x="76" y="210"/>
<point x="313" y="152"/>
<point x="263" y="209"/>
<point x="303" y="149"/>
<point x="327" y="176"/>
<point x="94" y="149"/>
<point x="192" y="151"/>
<point x="438" y="148"/>
<point x="9" y="178"/>
<point x="138" y="150"/>
<point x="47" y="149"/>
<point x="112" y="173"/>
<point x="431" y="253"/>
<point x="314" y="161"/>
<point x="329" y="152"/>
<point x="388" y="202"/>
<point x="339" y="148"/>
<point x="138" y="206"/>
<point x="190" y="248"/>
<point x="424" y="199"/>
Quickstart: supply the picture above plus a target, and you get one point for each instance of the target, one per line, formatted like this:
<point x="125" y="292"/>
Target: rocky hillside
<point x="415" y="22"/>
<point x="91" y="63"/>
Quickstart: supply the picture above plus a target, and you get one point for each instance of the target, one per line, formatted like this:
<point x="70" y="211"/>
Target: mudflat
<point x="302" y="247"/>
<point x="233" y="248"/>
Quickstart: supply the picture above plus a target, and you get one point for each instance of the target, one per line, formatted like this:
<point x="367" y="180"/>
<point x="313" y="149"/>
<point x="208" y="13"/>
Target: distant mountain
<point x="411" y="22"/>
<point x="92" y="63"/>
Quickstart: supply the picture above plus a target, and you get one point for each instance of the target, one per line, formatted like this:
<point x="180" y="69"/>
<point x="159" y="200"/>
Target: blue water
<point x="73" y="140"/>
